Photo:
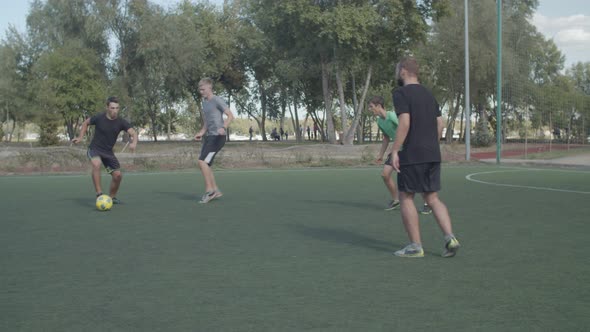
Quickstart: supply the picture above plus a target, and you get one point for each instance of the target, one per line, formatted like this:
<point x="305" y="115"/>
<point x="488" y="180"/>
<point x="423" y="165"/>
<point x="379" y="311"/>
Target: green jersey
<point x="388" y="125"/>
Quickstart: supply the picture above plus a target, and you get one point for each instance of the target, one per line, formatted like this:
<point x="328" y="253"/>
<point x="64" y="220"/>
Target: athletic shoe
<point x="412" y="250"/>
<point x="392" y="205"/>
<point x="99" y="194"/>
<point x="116" y="200"/>
<point x="210" y="195"/>
<point x="426" y="209"/>
<point x="451" y="247"/>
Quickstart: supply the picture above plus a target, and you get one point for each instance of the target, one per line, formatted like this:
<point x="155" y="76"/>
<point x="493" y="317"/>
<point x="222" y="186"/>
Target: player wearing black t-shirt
<point x="107" y="128"/>
<point x="418" y="163"/>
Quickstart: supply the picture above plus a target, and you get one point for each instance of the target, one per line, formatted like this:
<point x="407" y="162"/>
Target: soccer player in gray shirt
<point x="215" y="128"/>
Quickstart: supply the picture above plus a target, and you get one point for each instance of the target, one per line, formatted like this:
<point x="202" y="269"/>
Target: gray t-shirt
<point x="213" y="111"/>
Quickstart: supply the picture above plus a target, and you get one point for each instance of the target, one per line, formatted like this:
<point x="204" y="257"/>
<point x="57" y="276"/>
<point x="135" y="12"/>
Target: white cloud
<point x="570" y="33"/>
<point x="570" y="36"/>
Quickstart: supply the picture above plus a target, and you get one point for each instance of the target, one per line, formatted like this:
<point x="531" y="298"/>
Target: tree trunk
<point x="359" y="109"/>
<point x="295" y="118"/>
<point x="283" y="111"/>
<point x="263" y="107"/>
<point x="342" y="102"/>
<point x="168" y="123"/>
<point x="355" y="103"/>
<point x="327" y="103"/>
<point x="70" y="128"/>
<point x="452" y="118"/>
<point x="11" y="134"/>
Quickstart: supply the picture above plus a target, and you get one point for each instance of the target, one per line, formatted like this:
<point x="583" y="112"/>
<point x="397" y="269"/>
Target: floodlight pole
<point x="467" y="101"/>
<point x="499" y="85"/>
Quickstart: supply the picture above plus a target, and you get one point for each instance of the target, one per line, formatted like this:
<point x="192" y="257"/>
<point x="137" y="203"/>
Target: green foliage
<point x="69" y="83"/>
<point x="48" y="131"/>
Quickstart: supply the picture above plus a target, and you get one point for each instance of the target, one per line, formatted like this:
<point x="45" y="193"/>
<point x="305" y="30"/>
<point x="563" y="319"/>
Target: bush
<point x="48" y="132"/>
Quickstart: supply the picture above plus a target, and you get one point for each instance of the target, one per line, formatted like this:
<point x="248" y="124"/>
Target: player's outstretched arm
<point x="383" y="148"/>
<point x="134" y="138"/>
<point x="83" y="130"/>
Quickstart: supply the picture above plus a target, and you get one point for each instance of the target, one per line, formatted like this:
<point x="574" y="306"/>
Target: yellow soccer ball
<point x="104" y="203"/>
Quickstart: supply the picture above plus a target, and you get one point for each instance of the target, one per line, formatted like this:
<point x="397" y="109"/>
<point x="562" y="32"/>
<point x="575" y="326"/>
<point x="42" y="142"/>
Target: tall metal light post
<point x="467" y="101"/>
<point x="499" y="85"/>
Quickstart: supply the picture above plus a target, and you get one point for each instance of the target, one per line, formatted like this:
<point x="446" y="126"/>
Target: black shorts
<point x="211" y="146"/>
<point x="419" y="178"/>
<point x="109" y="161"/>
<point x="388" y="161"/>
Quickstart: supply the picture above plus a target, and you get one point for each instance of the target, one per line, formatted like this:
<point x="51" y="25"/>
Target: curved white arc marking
<point x="469" y="177"/>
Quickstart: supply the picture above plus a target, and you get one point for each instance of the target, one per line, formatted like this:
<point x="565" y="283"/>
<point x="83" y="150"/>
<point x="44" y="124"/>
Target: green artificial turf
<point x="294" y="250"/>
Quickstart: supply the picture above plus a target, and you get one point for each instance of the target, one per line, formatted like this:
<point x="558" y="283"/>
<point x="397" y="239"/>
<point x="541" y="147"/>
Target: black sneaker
<point x="426" y="209"/>
<point x="116" y="200"/>
<point x="394" y="204"/>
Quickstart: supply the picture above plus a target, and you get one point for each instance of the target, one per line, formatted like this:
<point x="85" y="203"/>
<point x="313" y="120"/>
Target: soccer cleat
<point x="426" y="209"/>
<point x="210" y="195"/>
<point x="412" y="250"/>
<point x="116" y="200"/>
<point x="394" y="204"/>
<point x="451" y="247"/>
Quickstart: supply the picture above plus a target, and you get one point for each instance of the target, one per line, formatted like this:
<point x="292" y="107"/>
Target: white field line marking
<point x="198" y="172"/>
<point x="470" y="177"/>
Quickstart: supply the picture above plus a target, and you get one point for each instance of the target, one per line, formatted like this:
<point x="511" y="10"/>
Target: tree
<point x="69" y="83"/>
<point x="15" y="72"/>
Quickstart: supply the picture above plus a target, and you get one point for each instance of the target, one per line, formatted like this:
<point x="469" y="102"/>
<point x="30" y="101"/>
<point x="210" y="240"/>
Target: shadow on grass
<point x="84" y="201"/>
<point x="342" y="236"/>
<point x="180" y="195"/>
<point x="356" y="204"/>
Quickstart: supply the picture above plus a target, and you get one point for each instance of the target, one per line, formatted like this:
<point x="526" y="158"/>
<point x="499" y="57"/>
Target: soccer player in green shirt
<point x="387" y="123"/>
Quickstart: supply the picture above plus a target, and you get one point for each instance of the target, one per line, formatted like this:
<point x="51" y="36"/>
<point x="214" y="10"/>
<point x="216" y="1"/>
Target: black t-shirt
<point x="421" y="144"/>
<point x="106" y="132"/>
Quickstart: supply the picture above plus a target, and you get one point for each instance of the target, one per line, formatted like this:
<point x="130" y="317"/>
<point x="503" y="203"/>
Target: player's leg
<point x="439" y="209"/>
<point x="96" y="163"/>
<point x="407" y="180"/>
<point x="117" y="177"/>
<point x="211" y="147"/>
<point x="390" y="184"/>
<point x="410" y="217"/>
<point x="207" y="175"/>
<point x="111" y="163"/>
<point x="440" y="212"/>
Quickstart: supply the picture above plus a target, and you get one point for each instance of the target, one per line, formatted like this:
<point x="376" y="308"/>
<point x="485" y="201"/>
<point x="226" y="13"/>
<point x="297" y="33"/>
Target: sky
<point x="567" y="22"/>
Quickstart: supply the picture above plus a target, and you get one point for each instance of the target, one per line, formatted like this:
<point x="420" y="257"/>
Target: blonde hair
<point x="206" y="80"/>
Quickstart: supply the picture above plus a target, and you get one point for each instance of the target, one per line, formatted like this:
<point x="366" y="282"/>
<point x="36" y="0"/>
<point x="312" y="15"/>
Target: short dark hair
<point x="377" y="100"/>
<point x="112" y="99"/>
<point x="410" y="65"/>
